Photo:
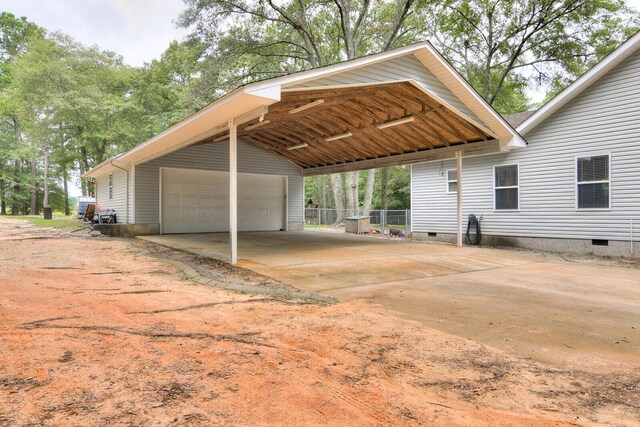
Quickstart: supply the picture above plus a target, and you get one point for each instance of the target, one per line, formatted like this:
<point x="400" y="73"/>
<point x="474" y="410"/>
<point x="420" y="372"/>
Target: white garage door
<point x="196" y="201"/>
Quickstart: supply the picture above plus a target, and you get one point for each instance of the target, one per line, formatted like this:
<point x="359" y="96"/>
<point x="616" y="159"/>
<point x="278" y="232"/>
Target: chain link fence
<point x="395" y="223"/>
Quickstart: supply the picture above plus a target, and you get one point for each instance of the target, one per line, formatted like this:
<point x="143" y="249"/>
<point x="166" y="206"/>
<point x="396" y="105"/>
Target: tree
<point x="501" y="46"/>
<point x="15" y="36"/>
<point x="77" y="98"/>
<point x="164" y="89"/>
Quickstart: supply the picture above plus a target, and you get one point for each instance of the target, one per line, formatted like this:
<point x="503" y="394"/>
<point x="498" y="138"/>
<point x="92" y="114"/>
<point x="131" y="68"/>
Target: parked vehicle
<point x="82" y="205"/>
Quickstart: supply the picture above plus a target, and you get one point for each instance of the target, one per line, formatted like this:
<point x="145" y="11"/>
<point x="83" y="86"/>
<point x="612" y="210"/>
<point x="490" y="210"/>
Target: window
<point x="505" y="182"/>
<point x="110" y="186"/>
<point x="593" y="182"/>
<point x="452" y="181"/>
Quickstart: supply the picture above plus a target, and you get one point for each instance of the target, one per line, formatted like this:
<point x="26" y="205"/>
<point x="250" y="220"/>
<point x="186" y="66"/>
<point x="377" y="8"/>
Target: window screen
<point x="506" y="187"/>
<point x="452" y="181"/>
<point x="593" y="182"/>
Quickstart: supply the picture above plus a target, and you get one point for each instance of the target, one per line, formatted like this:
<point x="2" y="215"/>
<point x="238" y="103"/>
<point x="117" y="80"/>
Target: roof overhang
<point x="242" y="105"/>
<point x="625" y="50"/>
<point x="275" y="98"/>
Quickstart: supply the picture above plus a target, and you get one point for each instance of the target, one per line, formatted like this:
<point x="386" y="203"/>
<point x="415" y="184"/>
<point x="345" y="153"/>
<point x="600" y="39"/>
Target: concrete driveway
<point x="562" y="312"/>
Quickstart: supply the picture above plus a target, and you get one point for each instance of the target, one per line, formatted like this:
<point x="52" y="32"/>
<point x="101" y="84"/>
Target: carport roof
<point x="326" y="129"/>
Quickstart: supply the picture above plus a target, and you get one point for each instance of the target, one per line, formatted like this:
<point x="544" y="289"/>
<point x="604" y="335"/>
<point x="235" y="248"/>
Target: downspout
<point x="126" y="201"/>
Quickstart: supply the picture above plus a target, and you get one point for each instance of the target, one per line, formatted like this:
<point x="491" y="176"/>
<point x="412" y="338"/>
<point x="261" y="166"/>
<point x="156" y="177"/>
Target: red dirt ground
<point x="97" y="332"/>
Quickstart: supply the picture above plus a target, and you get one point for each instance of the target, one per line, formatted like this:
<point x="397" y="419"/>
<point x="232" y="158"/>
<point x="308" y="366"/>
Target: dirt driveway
<point x="570" y="313"/>
<point x="100" y="332"/>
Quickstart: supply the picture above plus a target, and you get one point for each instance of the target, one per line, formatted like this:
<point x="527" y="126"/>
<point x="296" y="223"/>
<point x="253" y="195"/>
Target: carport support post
<point x="459" y="195"/>
<point x="233" y="190"/>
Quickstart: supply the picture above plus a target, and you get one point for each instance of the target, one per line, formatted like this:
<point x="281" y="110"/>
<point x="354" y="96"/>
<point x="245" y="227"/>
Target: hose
<point x="477" y="237"/>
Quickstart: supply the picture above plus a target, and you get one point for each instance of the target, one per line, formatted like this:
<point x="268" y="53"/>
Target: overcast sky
<point x="139" y="30"/>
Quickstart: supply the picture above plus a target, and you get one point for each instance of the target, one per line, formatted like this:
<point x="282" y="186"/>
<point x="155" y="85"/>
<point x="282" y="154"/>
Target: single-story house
<point x="574" y="188"/>
<point x="239" y="163"/>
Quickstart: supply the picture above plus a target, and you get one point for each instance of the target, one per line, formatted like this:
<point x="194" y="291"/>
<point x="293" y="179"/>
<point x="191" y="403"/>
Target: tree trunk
<point x="353" y="181"/>
<point x="384" y="197"/>
<point x="3" y="200"/>
<point x="316" y="201"/>
<point x="45" y="201"/>
<point x="318" y="183"/>
<point x="65" y="177"/>
<point x="17" y="138"/>
<point x="15" y="205"/>
<point x="83" y="182"/>
<point x="34" y="188"/>
<point x="337" y="187"/>
<point x="368" y="193"/>
<point x="324" y="199"/>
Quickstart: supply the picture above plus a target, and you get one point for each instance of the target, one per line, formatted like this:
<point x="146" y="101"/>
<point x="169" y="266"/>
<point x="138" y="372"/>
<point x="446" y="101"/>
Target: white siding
<point x="603" y="119"/>
<point x="215" y="157"/>
<point x="406" y="67"/>
<point x="119" y="200"/>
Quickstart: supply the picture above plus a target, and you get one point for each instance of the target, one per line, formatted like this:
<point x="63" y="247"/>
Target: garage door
<point x="196" y="201"/>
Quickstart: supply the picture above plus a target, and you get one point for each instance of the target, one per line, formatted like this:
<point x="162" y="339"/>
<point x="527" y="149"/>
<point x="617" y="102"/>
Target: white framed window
<point x="452" y="181"/>
<point x="593" y="182"/>
<point x="506" y="187"/>
<point x="110" y="186"/>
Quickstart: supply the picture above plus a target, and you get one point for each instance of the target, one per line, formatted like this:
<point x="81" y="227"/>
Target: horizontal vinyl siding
<point x="215" y="157"/>
<point x="119" y="200"/>
<point x="604" y="119"/>
<point x="406" y="67"/>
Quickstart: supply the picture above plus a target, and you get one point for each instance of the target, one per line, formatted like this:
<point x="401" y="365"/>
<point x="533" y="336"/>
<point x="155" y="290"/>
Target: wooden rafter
<point x="358" y="111"/>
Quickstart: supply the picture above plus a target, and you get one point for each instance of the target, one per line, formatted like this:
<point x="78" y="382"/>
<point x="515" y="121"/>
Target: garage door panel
<point x="198" y="201"/>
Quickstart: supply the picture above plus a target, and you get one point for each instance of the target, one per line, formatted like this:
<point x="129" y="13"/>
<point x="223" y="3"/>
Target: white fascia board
<point x="449" y="76"/>
<point x="625" y="50"/>
<point x="269" y="93"/>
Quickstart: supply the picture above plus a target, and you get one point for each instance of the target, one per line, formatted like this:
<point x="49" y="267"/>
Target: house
<point x="238" y="164"/>
<point x="574" y="188"/>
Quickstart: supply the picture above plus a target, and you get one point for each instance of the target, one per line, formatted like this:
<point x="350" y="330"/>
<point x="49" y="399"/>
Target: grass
<point x="59" y="221"/>
<point x="182" y="275"/>
<point x="317" y="226"/>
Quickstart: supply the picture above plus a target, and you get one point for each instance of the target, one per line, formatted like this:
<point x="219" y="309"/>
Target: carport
<point x="399" y="107"/>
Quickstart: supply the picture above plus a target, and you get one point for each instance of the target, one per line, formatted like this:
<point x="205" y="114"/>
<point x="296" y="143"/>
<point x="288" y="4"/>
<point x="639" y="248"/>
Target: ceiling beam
<point x="473" y="149"/>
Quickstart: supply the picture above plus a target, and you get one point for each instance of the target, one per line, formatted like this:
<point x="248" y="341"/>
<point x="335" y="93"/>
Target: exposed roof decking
<point x="406" y="67"/>
<point x="358" y="111"/>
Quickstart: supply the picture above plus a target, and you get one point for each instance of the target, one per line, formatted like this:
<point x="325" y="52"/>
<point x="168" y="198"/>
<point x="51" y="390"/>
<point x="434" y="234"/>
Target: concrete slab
<point x="551" y="310"/>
